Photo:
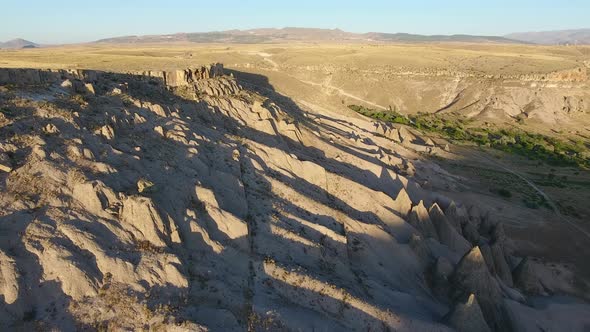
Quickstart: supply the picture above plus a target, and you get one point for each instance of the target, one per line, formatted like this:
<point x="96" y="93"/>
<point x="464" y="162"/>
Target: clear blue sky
<point x="63" y="21"/>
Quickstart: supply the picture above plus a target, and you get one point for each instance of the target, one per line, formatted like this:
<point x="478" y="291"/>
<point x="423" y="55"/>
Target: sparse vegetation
<point x="506" y="185"/>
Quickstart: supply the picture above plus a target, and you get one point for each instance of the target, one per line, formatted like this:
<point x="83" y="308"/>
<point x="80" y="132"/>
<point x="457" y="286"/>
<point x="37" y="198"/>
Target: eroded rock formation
<point x="193" y="203"/>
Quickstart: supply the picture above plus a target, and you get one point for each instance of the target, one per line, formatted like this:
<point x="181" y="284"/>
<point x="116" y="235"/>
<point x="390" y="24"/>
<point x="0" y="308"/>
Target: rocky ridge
<point x="185" y="201"/>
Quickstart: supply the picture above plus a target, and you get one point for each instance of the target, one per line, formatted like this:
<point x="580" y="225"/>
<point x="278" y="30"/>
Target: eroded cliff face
<point x="183" y="201"/>
<point x="558" y="99"/>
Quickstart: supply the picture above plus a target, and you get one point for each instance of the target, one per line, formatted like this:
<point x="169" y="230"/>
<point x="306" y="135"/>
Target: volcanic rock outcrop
<point x="183" y="201"/>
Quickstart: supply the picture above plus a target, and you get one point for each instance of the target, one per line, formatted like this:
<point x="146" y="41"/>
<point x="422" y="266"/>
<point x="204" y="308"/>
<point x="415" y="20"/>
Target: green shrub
<point x="504" y="193"/>
<point x="530" y="145"/>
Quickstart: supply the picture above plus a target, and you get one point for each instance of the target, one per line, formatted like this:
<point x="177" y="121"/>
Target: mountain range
<point x="561" y="37"/>
<point x="300" y="34"/>
<point x="290" y="34"/>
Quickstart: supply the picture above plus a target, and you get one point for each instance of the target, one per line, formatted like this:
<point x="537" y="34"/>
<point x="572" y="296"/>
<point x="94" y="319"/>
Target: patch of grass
<point x="386" y="116"/>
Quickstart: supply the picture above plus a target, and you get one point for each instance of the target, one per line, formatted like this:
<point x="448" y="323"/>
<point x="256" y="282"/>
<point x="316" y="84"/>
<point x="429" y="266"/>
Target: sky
<point x="62" y="21"/>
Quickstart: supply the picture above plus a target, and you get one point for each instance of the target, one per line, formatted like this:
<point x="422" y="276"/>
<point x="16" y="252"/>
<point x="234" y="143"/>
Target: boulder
<point x="50" y="129"/>
<point x="89" y="88"/>
<point x="67" y="84"/>
<point x="144" y="185"/>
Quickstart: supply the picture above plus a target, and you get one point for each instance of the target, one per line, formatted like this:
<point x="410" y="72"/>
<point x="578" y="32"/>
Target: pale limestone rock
<point x="87" y="153"/>
<point x="73" y="151"/>
<point x="140" y="217"/>
<point x="471" y="276"/>
<point x="61" y="262"/>
<point x="467" y="317"/>
<point x="9" y="276"/>
<point x="159" y="130"/>
<point x="39" y="152"/>
<point x="403" y="203"/>
<point x="94" y="196"/>
<point x="157" y="109"/>
<point x="5" y="163"/>
<point x="138" y="119"/>
<point x="447" y="233"/>
<point x="405" y="135"/>
<point x="89" y="88"/>
<point x="67" y="84"/>
<point x="144" y="185"/>
<point x="420" y="219"/>
<point x="50" y="129"/>
<point x="107" y="132"/>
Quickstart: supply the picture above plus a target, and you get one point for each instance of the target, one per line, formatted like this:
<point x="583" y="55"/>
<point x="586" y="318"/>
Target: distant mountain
<point x="560" y="37"/>
<point x="407" y="37"/>
<point x="18" y="43"/>
<point x="242" y="36"/>
<point x="299" y="34"/>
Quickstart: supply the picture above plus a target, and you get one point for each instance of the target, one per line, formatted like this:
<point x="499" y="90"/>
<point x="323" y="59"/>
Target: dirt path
<point x="267" y="58"/>
<point x="344" y="93"/>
